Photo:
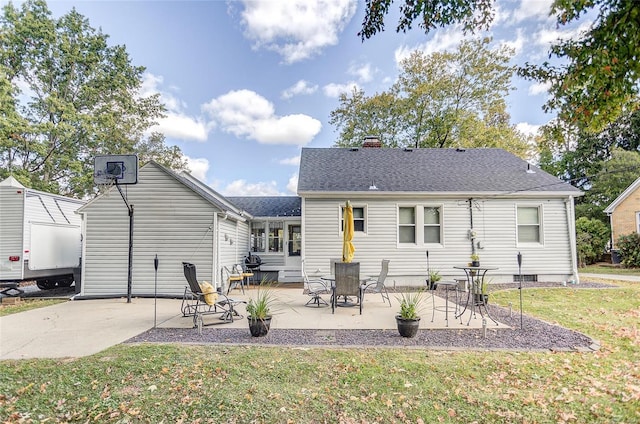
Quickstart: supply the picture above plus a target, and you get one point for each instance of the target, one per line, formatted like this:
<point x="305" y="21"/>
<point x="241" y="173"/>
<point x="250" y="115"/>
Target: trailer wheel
<point x="65" y="282"/>
<point x="46" y="284"/>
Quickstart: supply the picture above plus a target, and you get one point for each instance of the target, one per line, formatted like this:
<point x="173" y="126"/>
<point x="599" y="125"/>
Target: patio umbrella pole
<point x="155" y="290"/>
<point x="520" y="286"/>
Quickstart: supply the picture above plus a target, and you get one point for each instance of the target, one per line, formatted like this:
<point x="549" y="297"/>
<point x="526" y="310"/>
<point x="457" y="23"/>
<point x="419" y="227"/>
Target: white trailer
<point x="40" y="236"/>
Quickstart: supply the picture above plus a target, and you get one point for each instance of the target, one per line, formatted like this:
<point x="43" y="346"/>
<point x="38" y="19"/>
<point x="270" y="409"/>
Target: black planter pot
<point x="407" y="327"/>
<point x="480" y="299"/>
<point x="259" y="327"/>
<point x="475" y="263"/>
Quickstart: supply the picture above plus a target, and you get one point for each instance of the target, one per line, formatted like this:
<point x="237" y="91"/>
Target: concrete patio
<point x="85" y="327"/>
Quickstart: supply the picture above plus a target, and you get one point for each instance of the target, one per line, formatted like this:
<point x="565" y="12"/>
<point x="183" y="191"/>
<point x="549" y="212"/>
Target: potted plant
<point x="259" y="312"/>
<point x="475" y="259"/>
<point x="408" y="320"/>
<point x="480" y="295"/>
<point x="432" y="282"/>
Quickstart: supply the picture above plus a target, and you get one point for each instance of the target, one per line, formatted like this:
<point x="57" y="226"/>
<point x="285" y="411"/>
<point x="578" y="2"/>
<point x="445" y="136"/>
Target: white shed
<point x="176" y="217"/>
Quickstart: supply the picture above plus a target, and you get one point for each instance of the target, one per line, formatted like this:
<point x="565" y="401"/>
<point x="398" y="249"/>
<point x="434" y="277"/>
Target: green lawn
<point x="26" y="304"/>
<point x="604" y="269"/>
<point x="221" y="384"/>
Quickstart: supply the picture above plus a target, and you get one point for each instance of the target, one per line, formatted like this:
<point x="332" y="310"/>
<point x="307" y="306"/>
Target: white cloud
<point x="364" y="73"/>
<point x="182" y="127"/>
<point x="301" y="87"/>
<point x="243" y="188"/>
<point x="245" y="113"/>
<point x="532" y="9"/>
<point x="176" y="123"/>
<point x="334" y="90"/>
<point x="448" y="39"/>
<point x="527" y="128"/>
<point x="292" y="185"/>
<point x="516" y="44"/>
<point x="198" y="167"/>
<point x="539" y="88"/>
<point x="296" y="29"/>
<point x="291" y="161"/>
<point x="546" y="37"/>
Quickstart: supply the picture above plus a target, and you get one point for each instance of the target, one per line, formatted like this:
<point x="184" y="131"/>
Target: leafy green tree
<point x="431" y="14"/>
<point x="439" y="100"/>
<point x="614" y="177"/>
<point x="592" y="237"/>
<point x="72" y="97"/>
<point x="597" y="78"/>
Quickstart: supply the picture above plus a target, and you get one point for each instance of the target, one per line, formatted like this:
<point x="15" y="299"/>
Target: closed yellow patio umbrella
<point x="347" y="245"/>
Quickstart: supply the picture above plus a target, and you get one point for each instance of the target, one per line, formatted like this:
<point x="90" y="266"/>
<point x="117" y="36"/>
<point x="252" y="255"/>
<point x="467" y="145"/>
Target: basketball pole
<point x="155" y="291"/>
<point x="129" y="273"/>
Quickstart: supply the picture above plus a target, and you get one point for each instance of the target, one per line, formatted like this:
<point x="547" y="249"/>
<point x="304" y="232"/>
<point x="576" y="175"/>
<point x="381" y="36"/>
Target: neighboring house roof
<point x="10" y="181"/>
<point x="268" y="205"/>
<point x="385" y="170"/>
<point x="633" y="187"/>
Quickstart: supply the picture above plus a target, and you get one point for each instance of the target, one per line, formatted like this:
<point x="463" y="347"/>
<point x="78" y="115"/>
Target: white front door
<point x="294" y="246"/>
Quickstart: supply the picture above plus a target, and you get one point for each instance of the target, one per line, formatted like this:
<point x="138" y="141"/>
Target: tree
<point x="72" y="97"/>
<point x="592" y="237"/>
<point x="433" y="13"/>
<point x="597" y="79"/>
<point x="615" y="176"/>
<point x="439" y="100"/>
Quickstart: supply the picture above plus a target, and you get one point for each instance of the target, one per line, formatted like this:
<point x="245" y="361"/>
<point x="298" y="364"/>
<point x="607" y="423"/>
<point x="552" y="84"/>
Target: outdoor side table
<point x="475" y="281"/>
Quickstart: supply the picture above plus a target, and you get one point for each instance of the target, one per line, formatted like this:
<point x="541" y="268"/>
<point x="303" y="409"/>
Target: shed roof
<point x="386" y="170"/>
<point x="268" y="205"/>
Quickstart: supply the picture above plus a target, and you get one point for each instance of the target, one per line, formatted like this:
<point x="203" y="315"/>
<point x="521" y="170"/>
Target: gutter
<point x="571" y="225"/>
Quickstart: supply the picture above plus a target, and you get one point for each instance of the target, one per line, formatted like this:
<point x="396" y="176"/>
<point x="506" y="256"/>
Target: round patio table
<point x="475" y="279"/>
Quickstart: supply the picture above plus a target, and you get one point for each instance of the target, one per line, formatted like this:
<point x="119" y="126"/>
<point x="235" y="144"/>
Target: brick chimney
<point x="372" y="141"/>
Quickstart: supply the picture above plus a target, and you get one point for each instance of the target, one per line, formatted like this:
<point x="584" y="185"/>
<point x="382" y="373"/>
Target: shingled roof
<point x="470" y="171"/>
<point x="268" y="205"/>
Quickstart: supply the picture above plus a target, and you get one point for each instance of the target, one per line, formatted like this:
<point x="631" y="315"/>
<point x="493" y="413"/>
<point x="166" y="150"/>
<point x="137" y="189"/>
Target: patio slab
<point x="85" y="327"/>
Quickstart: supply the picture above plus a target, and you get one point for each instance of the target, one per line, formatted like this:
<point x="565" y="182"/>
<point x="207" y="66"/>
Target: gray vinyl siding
<point x="11" y="229"/>
<point x="170" y="221"/>
<point x="494" y="223"/>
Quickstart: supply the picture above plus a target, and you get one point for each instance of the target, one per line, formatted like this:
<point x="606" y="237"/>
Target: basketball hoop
<point x="104" y="189"/>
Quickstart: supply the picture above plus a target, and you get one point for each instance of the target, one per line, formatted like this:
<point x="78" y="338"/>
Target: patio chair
<point x="315" y="288"/>
<point x="202" y="299"/>
<point x="347" y="284"/>
<point x="233" y="278"/>
<point x="376" y="284"/>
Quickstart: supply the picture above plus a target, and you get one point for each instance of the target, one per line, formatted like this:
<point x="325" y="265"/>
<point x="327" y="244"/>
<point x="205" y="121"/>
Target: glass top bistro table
<point x="475" y="279"/>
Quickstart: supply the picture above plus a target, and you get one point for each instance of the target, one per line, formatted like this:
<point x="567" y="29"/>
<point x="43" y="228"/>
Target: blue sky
<point x="248" y="84"/>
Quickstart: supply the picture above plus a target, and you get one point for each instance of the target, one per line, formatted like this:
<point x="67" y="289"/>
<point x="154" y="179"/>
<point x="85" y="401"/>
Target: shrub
<point x="592" y="236"/>
<point x="629" y="247"/>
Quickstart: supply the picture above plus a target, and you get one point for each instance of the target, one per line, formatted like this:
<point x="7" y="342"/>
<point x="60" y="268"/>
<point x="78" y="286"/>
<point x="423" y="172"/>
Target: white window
<point x="407" y="225"/>
<point x="529" y="227"/>
<point x="276" y="234"/>
<point x="358" y="219"/>
<point x="638" y="222"/>
<point x="258" y="237"/>
<point x="432" y="224"/>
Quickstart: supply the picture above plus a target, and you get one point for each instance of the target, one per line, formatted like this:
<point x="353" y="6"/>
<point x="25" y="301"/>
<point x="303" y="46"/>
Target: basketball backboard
<point x="122" y="169"/>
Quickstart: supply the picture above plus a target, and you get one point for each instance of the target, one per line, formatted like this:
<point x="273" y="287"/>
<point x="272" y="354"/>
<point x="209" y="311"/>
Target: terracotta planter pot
<point x="407" y="327"/>
<point x="259" y="327"/>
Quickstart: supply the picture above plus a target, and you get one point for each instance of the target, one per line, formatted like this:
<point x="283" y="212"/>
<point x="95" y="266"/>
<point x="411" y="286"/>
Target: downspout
<point x="471" y="230"/>
<point x="216" y="253"/>
<point x="571" y="225"/>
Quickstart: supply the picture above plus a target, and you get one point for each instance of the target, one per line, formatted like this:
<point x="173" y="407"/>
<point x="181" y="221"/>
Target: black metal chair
<point x="202" y="299"/>
<point x="376" y="284"/>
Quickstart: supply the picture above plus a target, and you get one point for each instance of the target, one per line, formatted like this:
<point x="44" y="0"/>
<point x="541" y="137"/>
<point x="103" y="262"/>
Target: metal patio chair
<point x="315" y="288"/>
<point x="347" y="284"/>
<point x="202" y="299"/>
<point x="376" y="284"/>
